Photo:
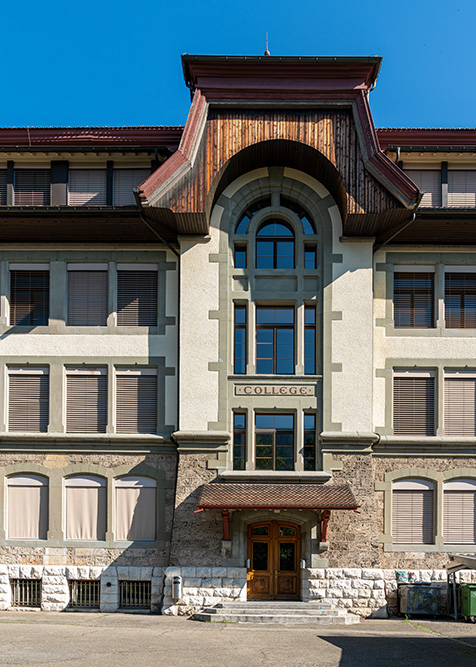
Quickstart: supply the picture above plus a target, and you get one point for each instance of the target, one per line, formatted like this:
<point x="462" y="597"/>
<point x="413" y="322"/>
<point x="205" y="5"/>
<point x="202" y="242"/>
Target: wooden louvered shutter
<point x="87" y="298"/>
<point x="136" y="409"/>
<point x="32" y="187"/>
<point x="29" y="297"/>
<point x="137" y="298"/>
<point x="460" y="300"/>
<point x="3" y="187"/>
<point x="86" y="407"/>
<point x="429" y="182"/>
<point x="87" y="187"/>
<point x="460" y="398"/>
<point x="413" y="299"/>
<point x="414" y="405"/>
<point x="459" y="512"/>
<point x="462" y="188"/>
<point x="412" y="517"/>
<point x="124" y="181"/>
<point x="28" y="401"/>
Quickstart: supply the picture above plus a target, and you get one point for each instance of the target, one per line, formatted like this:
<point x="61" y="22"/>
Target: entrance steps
<point x="271" y="612"/>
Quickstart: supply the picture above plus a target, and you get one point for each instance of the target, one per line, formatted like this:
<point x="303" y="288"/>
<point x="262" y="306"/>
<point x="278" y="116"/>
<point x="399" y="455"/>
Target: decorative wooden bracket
<point x="325" y="516"/>
<point x="226" y="525"/>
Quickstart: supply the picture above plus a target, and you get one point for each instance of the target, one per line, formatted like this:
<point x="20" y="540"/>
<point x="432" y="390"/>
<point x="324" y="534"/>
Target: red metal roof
<point x="276" y="496"/>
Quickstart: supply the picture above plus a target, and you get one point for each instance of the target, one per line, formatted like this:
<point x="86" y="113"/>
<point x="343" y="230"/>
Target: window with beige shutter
<point x="87" y="187"/>
<point x="137" y="288"/>
<point x="27" y="507"/>
<point x="136" y="508"/>
<point x="460" y="299"/>
<point x="413" y="297"/>
<point x="459" y="511"/>
<point x="136" y="400"/>
<point x="429" y="182"/>
<point x="87" y="294"/>
<point x="125" y="180"/>
<point x="28" y="399"/>
<point x="86" y="400"/>
<point x="29" y="294"/>
<point x="413" y="512"/>
<point x="462" y="188"/>
<point x="460" y="402"/>
<point x="414" y="403"/>
<point x="85" y="507"/>
<point x="32" y="187"/>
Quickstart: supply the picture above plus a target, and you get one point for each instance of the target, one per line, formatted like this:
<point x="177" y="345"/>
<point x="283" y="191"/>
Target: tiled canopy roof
<point x="276" y="496"/>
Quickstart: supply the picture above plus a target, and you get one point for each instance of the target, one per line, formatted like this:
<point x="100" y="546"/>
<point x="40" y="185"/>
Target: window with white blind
<point x="29" y="294"/>
<point x="124" y="182"/>
<point x="136" y="508"/>
<point x="460" y="299"/>
<point x="137" y="295"/>
<point x="429" y="182"/>
<point x="414" y="403"/>
<point x="459" y="511"/>
<point x="413" y="512"/>
<point x="136" y="400"/>
<point x="32" y="187"/>
<point x="414" y="297"/>
<point x="27" y="507"/>
<point x="86" y="497"/>
<point x="87" y="294"/>
<point x="462" y="188"/>
<point x="86" y="400"/>
<point x="460" y="400"/>
<point x="3" y="187"/>
<point x="28" y="399"/>
<point x="87" y="187"/>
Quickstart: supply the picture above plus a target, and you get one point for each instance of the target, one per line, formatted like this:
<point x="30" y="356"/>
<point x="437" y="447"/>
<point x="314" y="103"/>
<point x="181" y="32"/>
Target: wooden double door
<point x="274" y="561"/>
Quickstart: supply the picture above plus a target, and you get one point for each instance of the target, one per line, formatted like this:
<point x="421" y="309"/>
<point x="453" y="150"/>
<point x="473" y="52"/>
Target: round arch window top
<point x="275" y="246"/>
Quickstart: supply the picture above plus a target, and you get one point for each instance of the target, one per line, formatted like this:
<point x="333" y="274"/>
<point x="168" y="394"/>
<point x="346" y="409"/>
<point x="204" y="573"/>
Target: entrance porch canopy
<point x="231" y="496"/>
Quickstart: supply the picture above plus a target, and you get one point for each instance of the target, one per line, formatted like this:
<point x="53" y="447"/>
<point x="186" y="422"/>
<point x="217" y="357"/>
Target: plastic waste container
<point x="468" y="602"/>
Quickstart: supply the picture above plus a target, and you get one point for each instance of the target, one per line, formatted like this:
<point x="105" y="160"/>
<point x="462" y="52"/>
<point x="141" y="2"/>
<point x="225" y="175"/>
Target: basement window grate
<point x="26" y="592"/>
<point x="134" y="594"/>
<point x="84" y="594"/>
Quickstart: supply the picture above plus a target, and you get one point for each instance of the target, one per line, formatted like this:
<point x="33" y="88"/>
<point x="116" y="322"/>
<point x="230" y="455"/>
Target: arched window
<point x="136" y="508"/>
<point x="86" y="507"/>
<point x="245" y="218"/>
<point x="275" y="246"/>
<point x="27" y="507"/>
<point x="413" y="512"/>
<point x="459" y="511"/>
<point x="302" y="214"/>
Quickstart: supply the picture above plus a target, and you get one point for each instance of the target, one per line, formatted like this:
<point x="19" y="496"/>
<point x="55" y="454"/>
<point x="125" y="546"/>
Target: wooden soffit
<point x="311" y="115"/>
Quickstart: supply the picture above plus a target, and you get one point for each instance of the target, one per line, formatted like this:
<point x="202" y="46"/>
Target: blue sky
<point x="118" y="63"/>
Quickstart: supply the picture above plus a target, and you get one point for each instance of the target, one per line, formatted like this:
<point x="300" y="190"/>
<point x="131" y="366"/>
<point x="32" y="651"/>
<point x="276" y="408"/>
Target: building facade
<point x="240" y="352"/>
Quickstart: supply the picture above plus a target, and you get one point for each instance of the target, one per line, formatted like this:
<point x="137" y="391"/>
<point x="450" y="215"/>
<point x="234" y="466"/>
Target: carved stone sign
<point x="274" y="390"/>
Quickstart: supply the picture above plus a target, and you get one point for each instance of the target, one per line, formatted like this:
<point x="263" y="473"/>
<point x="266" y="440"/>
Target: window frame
<point x="412" y="488"/>
<point x="401" y="401"/>
<point x="273" y="432"/>
<point x="414" y="319"/>
<point x="276" y="241"/>
<point x="274" y="327"/>
<point x="130" y="371"/>
<point x="43" y="403"/>
<point x="41" y="270"/>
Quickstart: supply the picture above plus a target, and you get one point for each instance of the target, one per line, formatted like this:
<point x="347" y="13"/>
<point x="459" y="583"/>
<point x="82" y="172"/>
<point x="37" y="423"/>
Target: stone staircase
<point x="284" y="613"/>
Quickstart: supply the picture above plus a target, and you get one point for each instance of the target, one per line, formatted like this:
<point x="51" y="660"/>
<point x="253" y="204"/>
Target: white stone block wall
<point x="203" y="587"/>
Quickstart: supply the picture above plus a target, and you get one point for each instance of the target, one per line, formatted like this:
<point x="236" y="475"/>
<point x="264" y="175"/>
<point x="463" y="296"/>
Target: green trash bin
<point x="468" y="602"/>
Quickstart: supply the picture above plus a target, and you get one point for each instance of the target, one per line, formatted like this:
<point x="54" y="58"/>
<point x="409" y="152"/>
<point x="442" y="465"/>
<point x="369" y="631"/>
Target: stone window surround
<point x="56" y="505"/>
<point x="438" y="478"/>
<point x="57" y="367"/>
<point x="58" y="260"/>
<point x="437" y="261"/>
<point x="440" y="367"/>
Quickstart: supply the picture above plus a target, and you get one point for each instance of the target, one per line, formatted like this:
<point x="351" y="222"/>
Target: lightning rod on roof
<point x="267" y="53"/>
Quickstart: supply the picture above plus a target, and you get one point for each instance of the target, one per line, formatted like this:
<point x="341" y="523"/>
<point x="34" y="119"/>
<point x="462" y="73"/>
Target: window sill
<point x="310" y="476"/>
<point x="431" y="548"/>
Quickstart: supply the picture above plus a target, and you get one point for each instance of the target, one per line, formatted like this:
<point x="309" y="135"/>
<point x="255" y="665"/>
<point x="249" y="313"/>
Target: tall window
<point x="28" y="399"/>
<point x="137" y="295"/>
<point x="85" y="507"/>
<point x="136" y="508"/>
<point x="29" y="294"/>
<point x="240" y="340"/>
<point x="27" y="507"/>
<point x="460" y="403"/>
<point x="275" y="246"/>
<point x="136" y="400"/>
<point x="86" y="402"/>
<point x="414" y="403"/>
<point x="239" y="441"/>
<point x="274" y="442"/>
<point x="275" y="340"/>
<point x="460" y="300"/>
<point x="413" y="298"/>
<point x="309" y="340"/>
<point x="87" y="294"/>
<point x="309" y="449"/>
<point x="459" y="511"/>
<point x="413" y="512"/>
